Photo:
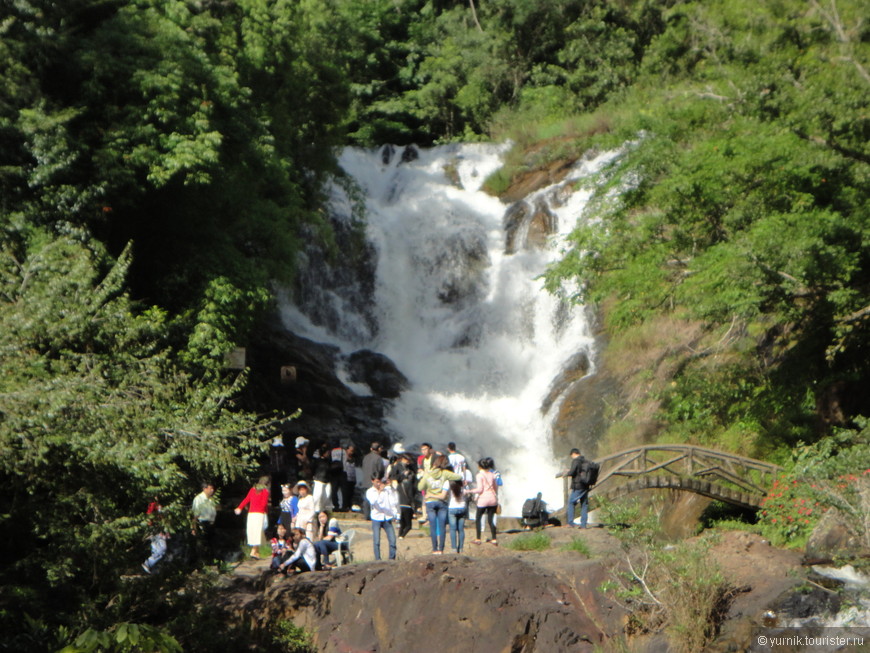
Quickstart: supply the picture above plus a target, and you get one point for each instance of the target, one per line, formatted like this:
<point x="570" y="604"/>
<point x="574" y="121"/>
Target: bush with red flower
<point x="832" y="474"/>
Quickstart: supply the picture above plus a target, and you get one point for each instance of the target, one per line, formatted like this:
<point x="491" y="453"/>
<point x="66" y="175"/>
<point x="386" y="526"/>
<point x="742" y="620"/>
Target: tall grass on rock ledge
<point x="530" y="542"/>
<point x="675" y="588"/>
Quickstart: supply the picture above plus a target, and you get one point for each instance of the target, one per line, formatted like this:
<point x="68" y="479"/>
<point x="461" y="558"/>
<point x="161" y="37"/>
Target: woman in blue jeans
<point x="457" y="511"/>
<point x="435" y="485"/>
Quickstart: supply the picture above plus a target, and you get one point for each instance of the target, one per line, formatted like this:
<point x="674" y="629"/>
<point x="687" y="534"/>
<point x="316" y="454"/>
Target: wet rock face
<point x="330" y="410"/>
<point x="460" y="267"/>
<point x="833" y="537"/>
<point x="378" y="372"/>
<point x="527" y="226"/>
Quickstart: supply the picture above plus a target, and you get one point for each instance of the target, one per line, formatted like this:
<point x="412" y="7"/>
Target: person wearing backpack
<point x="581" y="473"/>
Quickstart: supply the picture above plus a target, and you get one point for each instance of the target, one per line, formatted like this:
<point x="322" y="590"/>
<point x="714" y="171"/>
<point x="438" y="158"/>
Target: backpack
<point x="588" y="475"/>
<point x="534" y="512"/>
<point x="532" y="508"/>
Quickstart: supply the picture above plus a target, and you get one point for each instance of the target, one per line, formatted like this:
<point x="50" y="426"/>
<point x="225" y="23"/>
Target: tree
<point x="96" y="418"/>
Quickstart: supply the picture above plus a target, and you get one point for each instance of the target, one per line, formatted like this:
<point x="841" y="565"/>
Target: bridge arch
<point x="715" y="474"/>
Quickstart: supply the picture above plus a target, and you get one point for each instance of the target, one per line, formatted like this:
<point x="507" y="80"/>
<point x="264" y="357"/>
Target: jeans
<point x="437" y="511"/>
<point x="456" y="519"/>
<point x="387" y="525"/>
<point x="583" y="497"/>
<point x="324" y="548"/>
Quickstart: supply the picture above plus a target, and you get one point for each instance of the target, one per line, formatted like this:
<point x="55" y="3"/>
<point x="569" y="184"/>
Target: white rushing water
<point x="471" y="327"/>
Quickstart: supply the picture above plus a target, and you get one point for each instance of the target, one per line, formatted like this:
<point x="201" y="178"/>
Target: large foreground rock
<point x="499" y="600"/>
<point x="445" y="603"/>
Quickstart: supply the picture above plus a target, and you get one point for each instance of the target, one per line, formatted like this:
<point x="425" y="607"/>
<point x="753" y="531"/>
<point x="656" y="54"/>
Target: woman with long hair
<point x="486" y="489"/>
<point x="435" y="485"/>
<point x="304" y="556"/>
<point x="325" y="542"/>
<point x="457" y="511"/>
<point x="257" y="502"/>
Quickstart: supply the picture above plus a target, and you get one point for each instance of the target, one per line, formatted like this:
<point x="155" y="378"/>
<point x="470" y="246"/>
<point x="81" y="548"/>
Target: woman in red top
<point x="257" y="502"/>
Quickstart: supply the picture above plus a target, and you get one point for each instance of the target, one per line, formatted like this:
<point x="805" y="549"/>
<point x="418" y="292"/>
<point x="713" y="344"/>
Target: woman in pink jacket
<point x="257" y="502"/>
<point x="486" y="489"/>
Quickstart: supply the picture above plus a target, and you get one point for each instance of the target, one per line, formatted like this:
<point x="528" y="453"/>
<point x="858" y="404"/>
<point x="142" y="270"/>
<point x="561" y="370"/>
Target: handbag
<point x="498" y="509"/>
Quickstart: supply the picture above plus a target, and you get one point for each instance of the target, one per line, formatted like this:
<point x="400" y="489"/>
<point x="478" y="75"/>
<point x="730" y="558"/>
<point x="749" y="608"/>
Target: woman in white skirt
<point x="257" y="502"/>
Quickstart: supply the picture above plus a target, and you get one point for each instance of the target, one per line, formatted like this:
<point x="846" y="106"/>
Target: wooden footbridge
<point x="724" y="476"/>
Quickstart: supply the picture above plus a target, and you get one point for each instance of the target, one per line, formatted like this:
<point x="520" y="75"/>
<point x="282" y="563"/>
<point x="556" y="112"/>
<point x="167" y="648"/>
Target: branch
<point x="857" y="315"/>
<point x="474" y="15"/>
<point x="836" y="23"/>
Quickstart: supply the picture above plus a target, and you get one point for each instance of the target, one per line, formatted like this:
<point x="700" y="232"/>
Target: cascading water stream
<point x="470" y="325"/>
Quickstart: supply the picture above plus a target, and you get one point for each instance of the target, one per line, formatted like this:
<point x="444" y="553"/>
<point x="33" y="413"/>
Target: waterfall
<point x="467" y="322"/>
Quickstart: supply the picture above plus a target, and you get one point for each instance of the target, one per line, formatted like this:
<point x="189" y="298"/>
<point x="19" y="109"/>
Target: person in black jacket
<point x="579" y="490"/>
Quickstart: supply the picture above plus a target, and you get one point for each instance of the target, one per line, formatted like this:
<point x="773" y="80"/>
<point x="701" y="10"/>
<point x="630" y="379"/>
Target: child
<point x="281" y="544"/>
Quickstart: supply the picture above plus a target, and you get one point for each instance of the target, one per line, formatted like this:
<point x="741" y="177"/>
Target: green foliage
<point x="678" y="587"/>
<point x="530" y="542"/>
<point x="293" y="638"/>
<point x="830" y="475"/>
<point x="741" y="207"/>
<point x="579" y="545"/>
<point x="96" y="420"/>
<point x="201" y="132"/>
<point x="122" y="638"/>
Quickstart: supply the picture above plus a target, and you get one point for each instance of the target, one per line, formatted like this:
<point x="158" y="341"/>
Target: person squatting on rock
<point x="257" y="502"/>
<point x="486" y="489"/>
<point x="384" y="505"/>
<point x="157" y="538"/>
<point x="579" y="490"/>
<point x="281" y="544"/>
<point x="304" y="556"/>
<point x="435" y="485"/>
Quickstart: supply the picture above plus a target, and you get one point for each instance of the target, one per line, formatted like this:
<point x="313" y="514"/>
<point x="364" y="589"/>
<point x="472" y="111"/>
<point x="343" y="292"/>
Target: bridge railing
<point x="692" y="463"/>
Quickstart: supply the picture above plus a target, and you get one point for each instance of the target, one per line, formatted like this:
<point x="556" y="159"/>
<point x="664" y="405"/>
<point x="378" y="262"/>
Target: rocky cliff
<point x="500" y="601"/>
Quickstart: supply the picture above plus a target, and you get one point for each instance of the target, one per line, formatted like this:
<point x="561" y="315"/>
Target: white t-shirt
<point x="306" y="551"/>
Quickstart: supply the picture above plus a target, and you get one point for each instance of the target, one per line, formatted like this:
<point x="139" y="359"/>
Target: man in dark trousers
<point x="373" y="463"/>
<point x="579" y="490"/>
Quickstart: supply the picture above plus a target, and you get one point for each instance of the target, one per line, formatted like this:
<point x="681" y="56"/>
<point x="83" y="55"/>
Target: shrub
<point x="676" y="588"/>
<point x="577" y="544"/>
<point x="292" y="638"/>
<point x="789" y="512"/>
<point x="530" y="542"/>
<point x="833" y="473"/>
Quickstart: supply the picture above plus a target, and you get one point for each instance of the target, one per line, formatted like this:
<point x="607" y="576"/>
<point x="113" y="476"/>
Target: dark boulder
<point x="378" y="372"/>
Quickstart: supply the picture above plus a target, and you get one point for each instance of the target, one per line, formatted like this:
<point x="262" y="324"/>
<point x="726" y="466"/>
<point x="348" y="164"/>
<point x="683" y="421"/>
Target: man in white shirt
<point x="204" y="513"/>
<point x="456" y="459"/>
<point x="384" y="511"/>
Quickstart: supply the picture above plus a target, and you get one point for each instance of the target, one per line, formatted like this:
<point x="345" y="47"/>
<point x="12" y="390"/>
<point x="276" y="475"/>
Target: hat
<point x="398" y="448"/>
<point x="300" y="483"/>
<point x="301" y="442"/>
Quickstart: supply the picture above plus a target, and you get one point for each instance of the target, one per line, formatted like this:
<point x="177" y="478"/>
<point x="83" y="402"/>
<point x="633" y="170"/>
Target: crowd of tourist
<point x="395" y="486"/>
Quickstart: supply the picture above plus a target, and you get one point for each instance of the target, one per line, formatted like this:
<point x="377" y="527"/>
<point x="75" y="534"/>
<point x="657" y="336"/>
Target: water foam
<point x="471" y="326"/>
